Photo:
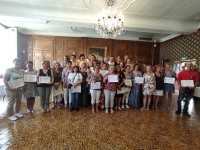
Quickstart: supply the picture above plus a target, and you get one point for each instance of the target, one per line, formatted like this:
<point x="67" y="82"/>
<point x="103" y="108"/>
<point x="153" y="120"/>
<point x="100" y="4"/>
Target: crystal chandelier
<point x="110" y="22"/>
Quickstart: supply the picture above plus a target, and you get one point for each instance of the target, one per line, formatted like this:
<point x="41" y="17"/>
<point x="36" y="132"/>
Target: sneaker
<point x="32" y="110"/>
<point x="53" y="107"/>
<point x="77" y="109"/>
<point x="119" y="108"/>
<point x="18" y="115"/>
<point x="106" y="112"/>
<point x="28" y="111"/>
<point x="187" y="114"/>
<point x="177" y="112"/>
<point x="115" y="108"/>
<point x="122" y="106"/>
<point x="127" y="106"/>
<point x="12" y="118"/>
<point x="112" y="112"/>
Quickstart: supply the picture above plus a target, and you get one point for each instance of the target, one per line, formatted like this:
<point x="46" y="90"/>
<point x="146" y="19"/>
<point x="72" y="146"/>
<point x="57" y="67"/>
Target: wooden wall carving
<point x="54" y="48"/>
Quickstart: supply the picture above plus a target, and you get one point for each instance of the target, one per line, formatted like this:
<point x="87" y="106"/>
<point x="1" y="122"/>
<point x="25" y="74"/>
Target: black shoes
<point x="72" y="108"/>
<point x="178" y="112"/>
<point x="77" y="109"/>
<point x="187" y="114"/>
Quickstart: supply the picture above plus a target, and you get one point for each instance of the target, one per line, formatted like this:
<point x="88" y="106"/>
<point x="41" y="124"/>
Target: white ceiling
<point x="157" y="19"/>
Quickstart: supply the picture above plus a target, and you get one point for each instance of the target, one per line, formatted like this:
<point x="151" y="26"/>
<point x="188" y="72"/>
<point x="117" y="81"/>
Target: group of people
<point x="84" y="79"/>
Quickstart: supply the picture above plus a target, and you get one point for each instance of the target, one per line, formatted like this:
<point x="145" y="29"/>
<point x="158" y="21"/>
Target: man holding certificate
<point x="14" y="92"/>
<point x="188" y="80"/>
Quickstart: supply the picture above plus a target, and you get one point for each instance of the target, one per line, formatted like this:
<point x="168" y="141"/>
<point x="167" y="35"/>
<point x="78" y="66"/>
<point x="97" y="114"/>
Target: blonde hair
<point x="44" y="61"/>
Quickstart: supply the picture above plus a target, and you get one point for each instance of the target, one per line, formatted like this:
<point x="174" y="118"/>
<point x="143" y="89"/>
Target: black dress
<point x="83" y="101"/>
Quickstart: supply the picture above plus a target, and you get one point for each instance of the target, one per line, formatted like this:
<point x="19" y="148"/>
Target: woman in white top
<point x="104" y="69"/>
<point x="75" y="79"/>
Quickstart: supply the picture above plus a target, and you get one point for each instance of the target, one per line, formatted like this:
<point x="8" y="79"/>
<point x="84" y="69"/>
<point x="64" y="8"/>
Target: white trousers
<point x="66" y="93"/>
<point x="109" y="98"/>
<point x="126" y="94"/>
<point x="95" y="95"/>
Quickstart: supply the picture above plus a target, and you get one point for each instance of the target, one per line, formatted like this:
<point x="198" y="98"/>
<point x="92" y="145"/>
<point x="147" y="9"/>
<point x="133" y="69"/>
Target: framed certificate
<point x="185" y="83"/>
<point x="30" y="78"/>
<point x="169" y="80"/>
<point x="44" y="79"/>
<point x="139" y="80"/>
<point x="112" y="78"/>
<point x="95" y="86"/>
<point x="16" y="83"/>
<point x="127" y="82"/>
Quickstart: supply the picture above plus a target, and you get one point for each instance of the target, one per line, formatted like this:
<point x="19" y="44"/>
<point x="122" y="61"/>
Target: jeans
<point x="75" y="99"/>
<point x="184" y="93"/>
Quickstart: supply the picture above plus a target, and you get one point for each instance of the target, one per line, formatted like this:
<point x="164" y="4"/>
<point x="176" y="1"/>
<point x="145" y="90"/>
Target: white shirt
<point x="77" y="78"/>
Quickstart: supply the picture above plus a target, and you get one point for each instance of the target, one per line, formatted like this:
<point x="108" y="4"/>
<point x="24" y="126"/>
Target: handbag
<point x="70" y="85"/>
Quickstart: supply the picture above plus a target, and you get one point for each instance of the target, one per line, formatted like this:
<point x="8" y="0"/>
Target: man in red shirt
<point x="187" y="91"/>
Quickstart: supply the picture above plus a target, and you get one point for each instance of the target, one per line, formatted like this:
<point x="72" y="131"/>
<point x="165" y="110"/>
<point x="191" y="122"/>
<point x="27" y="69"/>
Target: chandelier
<point x="110" y="22"/>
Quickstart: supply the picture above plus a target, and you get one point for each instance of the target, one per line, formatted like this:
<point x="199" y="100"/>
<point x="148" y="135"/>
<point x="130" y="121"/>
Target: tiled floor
<point x="127" y="129"/>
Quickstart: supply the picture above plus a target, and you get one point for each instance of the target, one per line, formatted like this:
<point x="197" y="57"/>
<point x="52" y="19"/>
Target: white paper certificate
<point x="120" y="91"/>
<point x="127" y="82"/>
<point x="44" y="79"/>
<point x="112" y="78"/>
<point x="58" y="91"/>
<point x="76" y="90"/>
<point x="16" y="83"/>
<point x="139" y="80"/>
<point x="197" y="92"/>
<point x="169" y="80"/>
<point x="185" y="83"/>
<point x="30" y="78"/>
<point x="103" y="73"/>
<point x="95" y="86"/>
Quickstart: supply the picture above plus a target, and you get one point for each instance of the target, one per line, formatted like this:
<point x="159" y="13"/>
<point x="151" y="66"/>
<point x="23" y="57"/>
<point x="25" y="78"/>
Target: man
<point x="187" y="91"/>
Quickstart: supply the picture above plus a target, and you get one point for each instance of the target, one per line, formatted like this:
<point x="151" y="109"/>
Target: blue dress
<point x="134" y="96"/>
<point x="169" y="88"/>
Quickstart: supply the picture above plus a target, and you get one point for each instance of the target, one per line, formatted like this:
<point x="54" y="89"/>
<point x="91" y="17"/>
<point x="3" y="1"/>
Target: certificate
<point x="127" y="82"/>
<point x="44" y="79"/>
<point x="16" y="83"/>
<point x="185" y="83"/>
<point x="30" y="78"/>
<point x="58" y="91"/>
<point x="103" y="73"/>
<point x="139" y="80"/>
<point x="76" y="90"/>
<point x="169" y="80"/>
<point x="112" y="78"/>
<point x="120" y="91"/>
<point x="197" y="92"/>
<point x="96" y="85"/>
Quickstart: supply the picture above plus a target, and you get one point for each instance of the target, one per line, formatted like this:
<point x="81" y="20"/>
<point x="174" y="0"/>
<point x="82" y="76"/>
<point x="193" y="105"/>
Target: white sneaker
<point x="122" y="106"/>
<point x="112" y="112"/>
<point x="18" y="115"/>
<point x="127" y="106"/>
<point x="12" y="118"/>
<point x="32" y="110"/>
<point x="106" y="111"/>
<point x="28" y="111"/>
<point x="119" y="108"/>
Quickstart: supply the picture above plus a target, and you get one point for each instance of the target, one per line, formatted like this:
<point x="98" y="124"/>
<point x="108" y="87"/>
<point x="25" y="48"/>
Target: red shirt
<point x="110" y="86"/>
<point x="188" y="75"/>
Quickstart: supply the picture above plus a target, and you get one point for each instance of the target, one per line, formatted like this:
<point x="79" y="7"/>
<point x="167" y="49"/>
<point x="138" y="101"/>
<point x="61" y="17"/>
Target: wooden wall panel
<point x="43" y="43"/>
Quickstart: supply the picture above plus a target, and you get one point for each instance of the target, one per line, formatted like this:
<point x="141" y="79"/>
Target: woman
<point x="84" y="85"/>
<point x="95" y="93"/>
<point x="128" y="63"/>
<point x="57" y="84"/>
<point x="14" y="95"/>
<point x="169" y="88"/>
<point x="75" y="79"/>
<point x="122" y="65"/>
<point x="159" y="86"/>
<point x="67" y="94"/>
<point x="127" y="87"/>
<point x="63" y="63"/>
<point x="104" y="69"/>
<point x="45" y="88"/>
<point x="101" y="61"/>
<point x="30" y="90"/>
<point x="134" y="97"/>
<point x="94" y="63"/>
<point x="148" y="87"/>
<point x="118" y="97"/>
<point x="109" y="90"/>
<point x="81" y="60"/>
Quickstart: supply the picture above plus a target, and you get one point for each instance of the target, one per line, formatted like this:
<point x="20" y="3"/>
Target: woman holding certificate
<point x="30" y="90"/>
<point x="134" y="96"/>
<point x="14" y="92"/>
<point x="95" y="80"/>
<point x="45" y="80"/>
<point x="148" y="87"/>
<point x="169" y="79"/>
<point x="75" y="79"/>
<point x="110" y="86"/>
<point x="57" y="86"/>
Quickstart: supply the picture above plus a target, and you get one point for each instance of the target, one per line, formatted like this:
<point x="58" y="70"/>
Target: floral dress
<point x="30" y="89"/>
<point x="148" y="83"/>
